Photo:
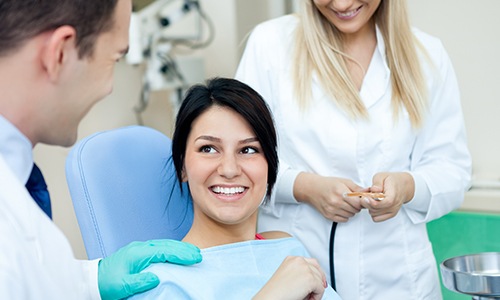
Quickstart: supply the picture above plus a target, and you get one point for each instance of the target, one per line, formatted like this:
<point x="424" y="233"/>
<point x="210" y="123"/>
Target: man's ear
<point x="59" y="47"/>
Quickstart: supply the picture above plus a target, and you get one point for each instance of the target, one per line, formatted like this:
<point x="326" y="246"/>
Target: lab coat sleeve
<point x="90" y="268"/>
<point x="440" y="161"/>
<point x="255" y="69"/>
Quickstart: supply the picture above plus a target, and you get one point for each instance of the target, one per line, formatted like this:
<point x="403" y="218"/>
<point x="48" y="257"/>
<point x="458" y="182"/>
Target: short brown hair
<point x="21" y="20"/>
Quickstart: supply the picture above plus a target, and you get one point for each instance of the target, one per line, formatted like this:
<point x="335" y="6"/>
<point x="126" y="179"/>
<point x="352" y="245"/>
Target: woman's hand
<point x="326" y="195"/>
<point x="399" y="188"/>
<point x="297" y="278"/>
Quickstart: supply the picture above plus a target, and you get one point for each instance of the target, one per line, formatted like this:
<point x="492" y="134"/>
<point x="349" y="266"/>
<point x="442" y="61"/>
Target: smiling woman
<point x="224" y="147"/>
<point x="227" y="174"/>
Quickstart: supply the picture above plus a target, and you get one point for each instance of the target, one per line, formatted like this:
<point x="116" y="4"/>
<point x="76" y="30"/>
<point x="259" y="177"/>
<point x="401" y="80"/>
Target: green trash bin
<point x="461" y="233"/>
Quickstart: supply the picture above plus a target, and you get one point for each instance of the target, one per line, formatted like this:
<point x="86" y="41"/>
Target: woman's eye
<point x="249" y="150"/>
<point x="207" y="149"/>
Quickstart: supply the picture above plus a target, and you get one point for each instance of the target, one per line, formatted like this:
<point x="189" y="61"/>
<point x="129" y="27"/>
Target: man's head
<point x="56" y="61"/>
<point x="21" y="20"/>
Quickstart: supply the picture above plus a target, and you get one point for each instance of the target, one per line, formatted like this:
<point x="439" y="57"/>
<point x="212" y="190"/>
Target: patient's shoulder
<point x="269" y="235"/>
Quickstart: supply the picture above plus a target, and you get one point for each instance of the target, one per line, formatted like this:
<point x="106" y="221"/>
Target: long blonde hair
<point x="323" y="54"/>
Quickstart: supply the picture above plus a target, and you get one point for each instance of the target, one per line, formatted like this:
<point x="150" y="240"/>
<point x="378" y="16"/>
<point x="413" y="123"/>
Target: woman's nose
<point x="229" y="166"/>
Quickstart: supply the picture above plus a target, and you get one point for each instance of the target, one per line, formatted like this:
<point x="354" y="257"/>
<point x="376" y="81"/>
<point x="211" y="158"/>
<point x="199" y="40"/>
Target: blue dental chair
<point x="124" y="188"/>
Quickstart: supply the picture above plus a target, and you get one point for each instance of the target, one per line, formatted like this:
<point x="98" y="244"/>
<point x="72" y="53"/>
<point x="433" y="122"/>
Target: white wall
<point x="472" y="38"/>
<point x="470" y="34"/>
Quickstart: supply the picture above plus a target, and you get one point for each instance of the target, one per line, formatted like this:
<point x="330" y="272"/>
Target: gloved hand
<point x="119" y="276"/>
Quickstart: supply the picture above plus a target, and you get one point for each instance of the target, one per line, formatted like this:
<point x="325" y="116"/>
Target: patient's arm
<point x="297" y="278"/>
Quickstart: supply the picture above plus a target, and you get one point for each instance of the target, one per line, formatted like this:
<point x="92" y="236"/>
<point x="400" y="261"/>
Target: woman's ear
<point x="59" y="48"/>
<point x="184" y="176"/>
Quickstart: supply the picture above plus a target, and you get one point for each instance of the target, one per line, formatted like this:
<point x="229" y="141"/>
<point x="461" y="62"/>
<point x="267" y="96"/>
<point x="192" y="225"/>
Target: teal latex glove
<point x="119" y="274"/>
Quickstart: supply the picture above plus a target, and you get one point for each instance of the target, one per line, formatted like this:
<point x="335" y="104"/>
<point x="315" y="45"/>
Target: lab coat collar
<point x="16" y="149"/>
<point x="16" y="201"/>
<point x="381" y="44"/>
<point x="377" y="77"/>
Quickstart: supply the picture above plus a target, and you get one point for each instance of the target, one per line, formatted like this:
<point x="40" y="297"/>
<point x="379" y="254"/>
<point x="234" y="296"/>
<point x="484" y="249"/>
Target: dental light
<point x="151" y="44"/>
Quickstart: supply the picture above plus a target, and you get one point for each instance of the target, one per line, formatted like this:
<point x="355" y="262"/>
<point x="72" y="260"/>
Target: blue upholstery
<point x="123" y="186"/>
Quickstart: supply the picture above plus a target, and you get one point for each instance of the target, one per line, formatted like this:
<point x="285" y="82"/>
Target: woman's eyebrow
<point x="249" y="140"/>
<point x="208" y="138"/>
<point x="218" y="140"/>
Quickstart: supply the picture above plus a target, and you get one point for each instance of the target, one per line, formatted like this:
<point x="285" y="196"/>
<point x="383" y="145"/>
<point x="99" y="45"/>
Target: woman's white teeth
<point x="347" y="14"/>
<point x="227" y="191"/>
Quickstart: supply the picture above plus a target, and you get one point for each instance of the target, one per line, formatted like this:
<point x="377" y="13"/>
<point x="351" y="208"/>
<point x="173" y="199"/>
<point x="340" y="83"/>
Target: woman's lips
<point x="229" y="193"/>
<point x="348" y="14"/>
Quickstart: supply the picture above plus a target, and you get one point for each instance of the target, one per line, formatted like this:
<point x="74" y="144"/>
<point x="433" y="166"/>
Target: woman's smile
<point x="347" y="15"/>
<point x="225" y="193"/>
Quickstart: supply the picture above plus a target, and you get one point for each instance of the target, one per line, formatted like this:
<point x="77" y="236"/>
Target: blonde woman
<point x="363" y="102"/>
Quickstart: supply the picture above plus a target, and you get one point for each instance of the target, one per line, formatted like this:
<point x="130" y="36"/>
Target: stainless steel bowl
<point x="476" y="274"/>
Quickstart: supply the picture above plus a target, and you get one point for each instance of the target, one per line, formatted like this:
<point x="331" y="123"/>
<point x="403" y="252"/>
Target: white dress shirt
<point x="387" y="260"/>
<point x="36" y="259"/>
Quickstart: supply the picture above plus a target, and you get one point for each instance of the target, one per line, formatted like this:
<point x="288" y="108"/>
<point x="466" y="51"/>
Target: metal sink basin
<point x="476" y="275"/>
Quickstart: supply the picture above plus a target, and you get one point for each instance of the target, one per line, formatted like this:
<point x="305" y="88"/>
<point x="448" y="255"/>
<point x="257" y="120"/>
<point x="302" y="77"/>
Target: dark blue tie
<point x="38" y="190"/>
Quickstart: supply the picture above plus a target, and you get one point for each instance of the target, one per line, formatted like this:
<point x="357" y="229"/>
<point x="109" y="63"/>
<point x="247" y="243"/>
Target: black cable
<point x="332" y="269"/>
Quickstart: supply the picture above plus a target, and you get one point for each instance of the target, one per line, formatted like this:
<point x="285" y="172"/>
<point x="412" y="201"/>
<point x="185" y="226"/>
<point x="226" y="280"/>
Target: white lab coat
<point x="36" y="260"/>
<point x="387" y="260"/>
